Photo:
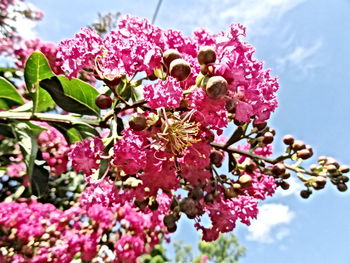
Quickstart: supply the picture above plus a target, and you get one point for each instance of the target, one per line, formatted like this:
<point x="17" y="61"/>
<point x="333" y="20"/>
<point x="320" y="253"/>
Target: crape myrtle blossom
<point x="168" y="143"/>
<point x="152" y="153"/>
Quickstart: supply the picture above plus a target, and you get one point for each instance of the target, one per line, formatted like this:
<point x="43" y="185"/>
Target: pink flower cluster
<point x="173" y="148"/>
<point x="49" y="49"/>
<point x="54" y="149"/>
<point x="57" y="235"/>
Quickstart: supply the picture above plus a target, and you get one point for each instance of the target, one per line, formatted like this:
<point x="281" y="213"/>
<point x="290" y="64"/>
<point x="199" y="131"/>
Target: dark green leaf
<point x="72" y="95"/>
<point x="36" y="69"/>
<point x="236" y="136"/>
<point x="232" y="163"/>
<point x="26" y="134"/>
<point x="39" y="180"/>
<point x="9" y="93"/>
<point x="4" y="105"/>
<point x="76" y="132"/>
<point x="6" y="130"/>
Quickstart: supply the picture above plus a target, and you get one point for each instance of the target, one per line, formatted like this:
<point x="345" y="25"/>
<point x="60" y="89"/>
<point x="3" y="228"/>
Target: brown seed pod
<point x="206" y="55"/>
<point x="267" y="138"/>
<point x="344" y="169"/>
<point x="278" y="169"/>
<point x="103" y="101"/>
<point x="216" y="158"/>
<point x="288" y="139"/>
<point x="305" y="194"/>
<point x="342" y="187"/>
<point x="284" y="185"/>
<point x="298" y="145"/>
<point x="170" y="55"/>
<point x="138" y="122"/>
<point x="180" y="69"/>
<point x="304" y="154"/>
<point x="216" y="87"/>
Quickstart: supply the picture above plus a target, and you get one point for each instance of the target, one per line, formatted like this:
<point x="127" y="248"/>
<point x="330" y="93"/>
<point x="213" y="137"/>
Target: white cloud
<point x="253" y="12"/>
<point x="257" y="15"/>
<point x="271" y="223"/>
<point x="301" y="57"/>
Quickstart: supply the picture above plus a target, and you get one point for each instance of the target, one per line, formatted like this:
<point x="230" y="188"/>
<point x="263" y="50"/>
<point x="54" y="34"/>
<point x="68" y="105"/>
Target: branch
<point x="48" y="117"/>
<point x="255" y="156"/>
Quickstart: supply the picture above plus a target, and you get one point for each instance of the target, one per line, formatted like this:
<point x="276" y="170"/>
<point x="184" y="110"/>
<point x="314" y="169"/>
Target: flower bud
<point x="288" y="139"/>
<point x="284" y="185"/>
<point x="344" y="178"/>
<point x="260" y="126"/>
<point x="304" y="154"/>
<point x="180" y="69"/>
<point x="204" y="69"/>
<point x="154" y="205"/>
<point x="196" y="193"/>
<point x="230" y="105"/>
<point x="285" y="175"/>
<point x="342" y="187"/>
<point x="245" y="179"/>
<point x="169" y="220"/>
<point x="332" y="161"/>
<point x="305" y="194"/>
<point x="103" y="101"/>
<point x="208" y="198"/>
<point x="278" y="169"/>
<point x="267" y="138"/>
<point x="138" y="122"/>
<point x="331" y="168"/>
<point x="298" y="145"/>
<point x="216" y="158"/>
<point x="170" y="55"/>
<point x="172" y="228"/>
<point x="206" y="55"/>
<point x="320" y="182"/>
<point x="230" y="192"/>
<point x="322" y="160"/>
<point x="344" y="169"/>
<point x="216" y="87"/>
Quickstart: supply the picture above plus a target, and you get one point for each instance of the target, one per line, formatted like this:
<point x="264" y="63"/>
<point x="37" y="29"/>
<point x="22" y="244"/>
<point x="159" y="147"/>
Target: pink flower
<point x="128" y="248"/>
<point x="129" y="152"/>
<point x="85" y="155"/>
<point x="163" y="94"/>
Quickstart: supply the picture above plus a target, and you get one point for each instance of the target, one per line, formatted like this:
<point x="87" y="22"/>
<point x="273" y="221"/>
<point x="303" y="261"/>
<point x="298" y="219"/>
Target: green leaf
<point x="76" y="132"/>
<point x="27" y="134"/>
<point x="6" y="130"/>
<point x="39" y="180"/>
<point x="9" y="93"/>
<point x="72" y="95"/>
<point x="4" y="105"/>
<point x="36" y="69"/>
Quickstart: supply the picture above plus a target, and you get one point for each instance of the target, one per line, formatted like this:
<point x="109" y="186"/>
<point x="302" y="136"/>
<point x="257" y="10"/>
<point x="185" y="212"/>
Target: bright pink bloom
<point x="85" y="155"/>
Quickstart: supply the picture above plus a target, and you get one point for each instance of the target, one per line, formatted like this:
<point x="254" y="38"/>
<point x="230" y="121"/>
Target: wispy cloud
<point x="271" y="223"/>
<point x="257" y="12"/>
<point x="258" y="15"/>
<point x="301" y="57"/>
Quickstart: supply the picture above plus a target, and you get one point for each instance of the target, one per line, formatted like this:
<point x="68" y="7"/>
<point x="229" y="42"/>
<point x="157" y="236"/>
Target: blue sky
<point x="306" y="43"/>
